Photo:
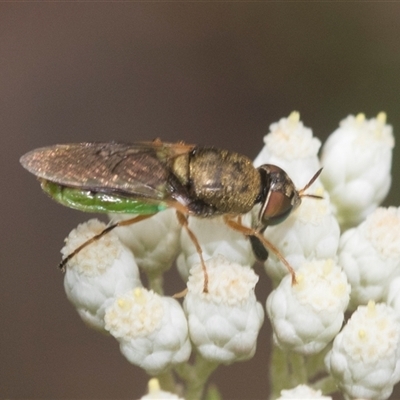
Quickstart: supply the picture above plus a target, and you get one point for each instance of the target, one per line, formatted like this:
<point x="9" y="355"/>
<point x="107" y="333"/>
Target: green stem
<point x="213" y="393"/>
<point x="315" y="364"/>
<point x="167" y="382"/>
<point x="279" y="371"/>
<point x="298" y="373"/>
<point x="288" y="369"/>
<point x="327" y="385"/>
<point x="196" y="376"/>
<point x="156" y="281"/>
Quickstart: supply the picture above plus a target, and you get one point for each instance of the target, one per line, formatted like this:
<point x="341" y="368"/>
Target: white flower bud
<point x="97" y="273"/>
<point x="370" y="255"/>
<point x="306" y="316"/>
<point x="292" y="147"/>
<point x="223" y="323"/>
<point x="215" y="238"/>
<point x="152" y="330"/>
<point x="310" y="232"/>
<point x="365" y="357"/>
<point x="154" y="241"/>
<point x="393" y="296"/>
<point x="357" y="160"/>
<point x="155" y="392"/>
<point x="303" y="392"/>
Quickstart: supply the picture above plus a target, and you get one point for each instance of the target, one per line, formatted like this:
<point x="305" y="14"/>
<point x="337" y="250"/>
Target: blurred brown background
<point x="207" y="73"/>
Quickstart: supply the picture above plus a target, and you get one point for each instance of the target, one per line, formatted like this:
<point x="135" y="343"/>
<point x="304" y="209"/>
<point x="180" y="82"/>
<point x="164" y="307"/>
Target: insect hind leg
<point x="106" y="230"/>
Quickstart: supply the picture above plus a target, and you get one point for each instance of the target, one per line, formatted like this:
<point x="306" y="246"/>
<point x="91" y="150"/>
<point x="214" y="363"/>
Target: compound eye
<point x="277" y="208"/>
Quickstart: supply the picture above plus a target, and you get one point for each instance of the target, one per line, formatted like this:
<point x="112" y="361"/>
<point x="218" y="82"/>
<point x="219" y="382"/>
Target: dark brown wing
<point x="140" y="170"/>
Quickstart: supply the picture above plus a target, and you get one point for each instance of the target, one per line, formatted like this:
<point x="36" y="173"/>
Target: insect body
<point x="146" y="178"/>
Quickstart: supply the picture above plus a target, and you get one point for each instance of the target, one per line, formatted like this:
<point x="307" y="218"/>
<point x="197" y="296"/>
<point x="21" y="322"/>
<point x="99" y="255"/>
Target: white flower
<point x="303" y="392"/>
<point x="291" y="146"/>
<point x="100" y="271"/>
<point x="223" y="323"/>
<point x="156" y="333"/>
<point x="310" y="232"/>
<point x="365" y="357"/>
<point x="306" y="316"/>
<point x="155" y="392"/>
<point x="393" y="296"/>
<point x="370" y="255"/>
<point x="215" y="238"/>
<point x="151" y="329"/>
<point x="357" y="160"/>
<point x="154" y="241"/>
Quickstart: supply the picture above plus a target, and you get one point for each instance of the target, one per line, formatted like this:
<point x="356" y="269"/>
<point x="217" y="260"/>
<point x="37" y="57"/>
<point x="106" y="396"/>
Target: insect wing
<point x="139" y="170"/>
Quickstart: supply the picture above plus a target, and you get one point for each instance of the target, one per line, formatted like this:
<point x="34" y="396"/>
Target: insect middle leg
<point x="237" y="226"/>
<point x="185" y="224"/>
<point x="109" y="228"/>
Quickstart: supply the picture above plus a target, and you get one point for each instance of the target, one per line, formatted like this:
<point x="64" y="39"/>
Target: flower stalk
<point x="195" y="376"/>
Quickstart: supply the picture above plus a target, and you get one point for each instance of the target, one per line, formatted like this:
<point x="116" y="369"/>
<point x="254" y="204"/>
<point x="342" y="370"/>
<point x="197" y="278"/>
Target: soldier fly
<point x="146" y="178"/>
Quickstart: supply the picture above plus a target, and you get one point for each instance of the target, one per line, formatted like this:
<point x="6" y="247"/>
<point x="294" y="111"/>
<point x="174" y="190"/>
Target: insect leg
<point x="109" y="228"/>
<point x="252" y="232"/>
<point x="184" y="222"/>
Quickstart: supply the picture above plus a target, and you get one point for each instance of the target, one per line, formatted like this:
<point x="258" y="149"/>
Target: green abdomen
<point x="89" y="201"/>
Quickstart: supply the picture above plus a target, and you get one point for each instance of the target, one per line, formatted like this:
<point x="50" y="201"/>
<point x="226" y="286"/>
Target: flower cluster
<point x="344" y="248"/>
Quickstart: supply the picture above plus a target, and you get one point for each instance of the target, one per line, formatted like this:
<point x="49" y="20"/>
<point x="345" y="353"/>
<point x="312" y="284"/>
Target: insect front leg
<point x="251" y="232"/>
<point x="109" y="228"/>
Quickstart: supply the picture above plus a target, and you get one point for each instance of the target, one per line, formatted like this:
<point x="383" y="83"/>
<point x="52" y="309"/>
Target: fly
<point x="146" y="178"/>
